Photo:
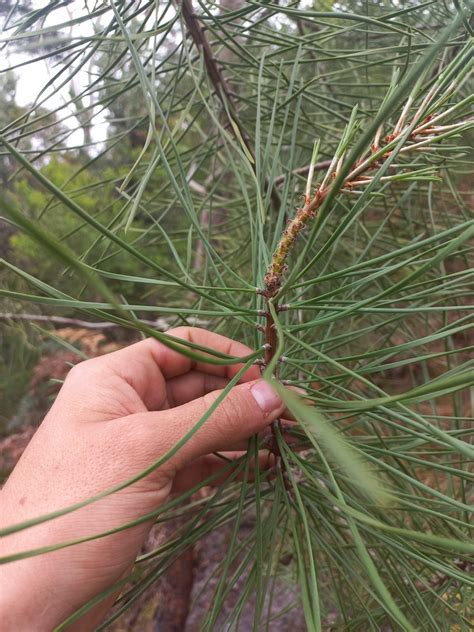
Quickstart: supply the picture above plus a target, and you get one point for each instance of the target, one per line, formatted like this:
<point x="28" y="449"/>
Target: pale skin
<point x="114" y="416"/>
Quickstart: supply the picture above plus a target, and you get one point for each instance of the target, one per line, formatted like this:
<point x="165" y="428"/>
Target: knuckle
<point x="81" y="370"/>
<point x="77" y="371"/>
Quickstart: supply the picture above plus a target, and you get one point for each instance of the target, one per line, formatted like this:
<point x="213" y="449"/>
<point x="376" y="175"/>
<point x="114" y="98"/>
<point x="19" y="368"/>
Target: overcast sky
<point x="31" y="78"/>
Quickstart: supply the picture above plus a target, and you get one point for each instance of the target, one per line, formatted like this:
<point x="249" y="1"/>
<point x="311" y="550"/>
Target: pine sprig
<point x="406" y="136"/>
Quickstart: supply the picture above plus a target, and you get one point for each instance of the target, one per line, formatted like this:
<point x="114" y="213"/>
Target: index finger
<point x="147" y="366"/>
<point x="172" y="363"/>
<point x="143" y="363"/>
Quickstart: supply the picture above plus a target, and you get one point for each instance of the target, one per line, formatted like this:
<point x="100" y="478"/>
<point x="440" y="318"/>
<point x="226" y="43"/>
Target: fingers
<point x="211" y="464"/>
<point x="246" y="410"/>
<point x="147" y="365"/>
<point x="184" y="388"/>
<point x="173" y="363"/>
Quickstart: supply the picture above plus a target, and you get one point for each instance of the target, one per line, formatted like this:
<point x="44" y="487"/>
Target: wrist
<point x="19" y="607"/>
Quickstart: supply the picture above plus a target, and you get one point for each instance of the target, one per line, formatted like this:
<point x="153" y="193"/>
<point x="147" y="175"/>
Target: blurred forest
<point x="92" y="174"/>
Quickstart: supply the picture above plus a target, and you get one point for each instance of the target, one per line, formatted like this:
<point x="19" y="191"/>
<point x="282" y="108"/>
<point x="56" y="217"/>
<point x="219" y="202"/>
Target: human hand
<point x="114" y="416"/>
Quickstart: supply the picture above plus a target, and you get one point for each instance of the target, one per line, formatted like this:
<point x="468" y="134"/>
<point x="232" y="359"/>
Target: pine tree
<point x="316" y="155"/>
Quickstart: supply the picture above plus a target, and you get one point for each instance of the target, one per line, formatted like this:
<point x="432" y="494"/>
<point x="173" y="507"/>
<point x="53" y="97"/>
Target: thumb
<point x="246" y="410"/>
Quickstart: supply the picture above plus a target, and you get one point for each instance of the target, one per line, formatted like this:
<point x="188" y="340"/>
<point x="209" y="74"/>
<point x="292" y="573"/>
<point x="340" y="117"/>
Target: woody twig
<point x="416" y="134"/>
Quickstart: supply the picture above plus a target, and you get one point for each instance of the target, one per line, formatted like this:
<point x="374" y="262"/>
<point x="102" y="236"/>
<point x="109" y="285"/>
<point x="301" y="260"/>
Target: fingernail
<point x="265" y="397"/>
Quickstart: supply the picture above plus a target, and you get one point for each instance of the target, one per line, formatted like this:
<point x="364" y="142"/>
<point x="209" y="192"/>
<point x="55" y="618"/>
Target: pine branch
<point x="222" y="88"/>
<point x="422" y="130"/>
<point x="215" y="74"/>
<point x="300" y="171"/>
<point x="425" y="133"/>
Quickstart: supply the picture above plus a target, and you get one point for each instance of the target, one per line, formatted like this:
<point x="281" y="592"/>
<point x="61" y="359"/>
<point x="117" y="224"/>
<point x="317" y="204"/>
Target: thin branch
<point x="424" y="130"/>
<point x="162" y="324"/>
<point x="319" y="166"/>
<point x="215" y="74"/>
<point x="221" y="87"/>
<point x="278" y="265"/>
